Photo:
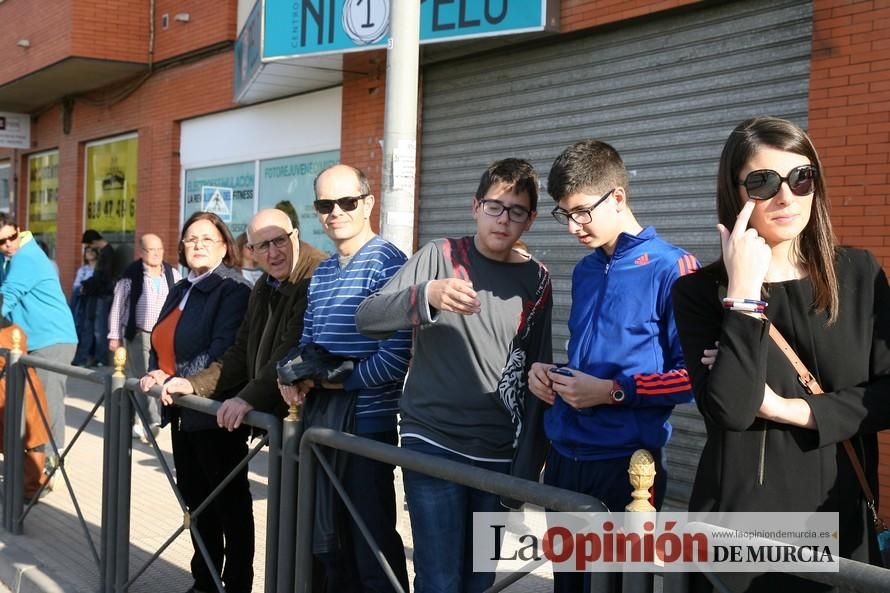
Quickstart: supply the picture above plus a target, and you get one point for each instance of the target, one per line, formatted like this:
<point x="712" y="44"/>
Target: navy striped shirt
<point x="334" y="296"/>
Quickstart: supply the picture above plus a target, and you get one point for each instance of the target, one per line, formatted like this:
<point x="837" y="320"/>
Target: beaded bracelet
<point x="750" y="305"/>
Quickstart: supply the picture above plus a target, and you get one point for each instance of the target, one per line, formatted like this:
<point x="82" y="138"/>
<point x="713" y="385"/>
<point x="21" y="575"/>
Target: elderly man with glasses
<point x="274" y="321"/>
<point x="138" y="298"/>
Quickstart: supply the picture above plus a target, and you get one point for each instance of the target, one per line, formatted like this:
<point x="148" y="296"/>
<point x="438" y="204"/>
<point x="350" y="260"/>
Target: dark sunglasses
<point x="765" y="183"/>
<point x="347" y="204"/>
<point x="11" y="237"/>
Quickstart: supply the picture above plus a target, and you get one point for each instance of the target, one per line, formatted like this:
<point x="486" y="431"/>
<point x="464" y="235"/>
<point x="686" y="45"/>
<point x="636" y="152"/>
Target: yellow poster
<point x="43" y="192"/>
<point x="111" y="186"/>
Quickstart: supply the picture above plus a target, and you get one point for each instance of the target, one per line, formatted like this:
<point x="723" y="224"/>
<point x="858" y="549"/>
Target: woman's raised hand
<point x="745" y="255"/>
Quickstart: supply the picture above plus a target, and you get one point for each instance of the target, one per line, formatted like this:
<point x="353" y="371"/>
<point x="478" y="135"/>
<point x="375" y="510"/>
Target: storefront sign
<point x="15" y="130"/>
<point x="291" y="179"/>
<point x="43" y="192"/>
<point x="111" y="185"/>
<point x="220" y="189"/>
<point x="311" y="27"/>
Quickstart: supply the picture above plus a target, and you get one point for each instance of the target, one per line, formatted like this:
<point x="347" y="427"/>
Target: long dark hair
<point x="815" y="246"/>
<point x="231" y="253"/>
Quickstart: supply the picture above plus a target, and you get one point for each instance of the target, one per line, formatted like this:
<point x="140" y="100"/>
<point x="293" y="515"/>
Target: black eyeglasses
<point x="346" y="203"/>
<point x="765" y="183"/>
<point x="515" y="213"/>
<point x="11" y="237"/>
<point x="579" y="215"/>
<point x="279" y="242"/>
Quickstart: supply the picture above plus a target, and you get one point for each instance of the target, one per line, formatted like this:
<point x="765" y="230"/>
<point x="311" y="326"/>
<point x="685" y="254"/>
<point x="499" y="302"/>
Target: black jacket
<point x="205" y="330"/>
<point x="247" y="369"/>
<point x="752" y="464"/>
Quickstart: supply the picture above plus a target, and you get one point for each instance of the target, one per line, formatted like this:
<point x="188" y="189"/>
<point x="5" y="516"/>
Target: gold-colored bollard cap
<point x="120" y="361"/>
<point x="641" y="471"/>
<point x="16" y="341"/>
<point x="293" y="413"/>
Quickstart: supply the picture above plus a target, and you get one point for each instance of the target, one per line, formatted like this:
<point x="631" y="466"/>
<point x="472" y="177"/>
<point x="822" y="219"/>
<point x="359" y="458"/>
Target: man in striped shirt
<point x="138" y="298"/>
<point x="361" y="266"/>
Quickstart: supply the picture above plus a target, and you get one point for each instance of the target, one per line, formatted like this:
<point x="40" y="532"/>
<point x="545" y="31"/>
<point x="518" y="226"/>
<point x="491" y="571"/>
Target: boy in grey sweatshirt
<point x="480" y="312"/>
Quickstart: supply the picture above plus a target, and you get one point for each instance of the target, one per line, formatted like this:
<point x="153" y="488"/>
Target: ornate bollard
<point x="641" y="472"/>
<point x="292" y="430"/>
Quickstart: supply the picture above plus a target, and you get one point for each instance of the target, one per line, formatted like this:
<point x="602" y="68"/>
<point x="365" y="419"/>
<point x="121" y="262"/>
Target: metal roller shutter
<point x="665" y="91"/>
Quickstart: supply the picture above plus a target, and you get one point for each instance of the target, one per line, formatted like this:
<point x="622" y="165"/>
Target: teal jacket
<point x="33" y="298"/>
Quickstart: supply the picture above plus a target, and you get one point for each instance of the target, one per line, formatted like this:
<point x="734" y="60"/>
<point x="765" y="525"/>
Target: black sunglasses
<point x="765" y="183"/>
<point x="347" y="204"/>
<point x="11" y="237"/>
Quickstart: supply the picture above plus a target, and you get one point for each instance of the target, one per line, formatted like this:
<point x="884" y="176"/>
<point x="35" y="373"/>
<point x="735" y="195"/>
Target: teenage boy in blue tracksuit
<point x="625" y="362"/>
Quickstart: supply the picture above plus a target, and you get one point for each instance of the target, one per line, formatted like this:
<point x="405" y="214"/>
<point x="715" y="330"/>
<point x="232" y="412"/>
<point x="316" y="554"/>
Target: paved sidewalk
<point x="54" y="556"/>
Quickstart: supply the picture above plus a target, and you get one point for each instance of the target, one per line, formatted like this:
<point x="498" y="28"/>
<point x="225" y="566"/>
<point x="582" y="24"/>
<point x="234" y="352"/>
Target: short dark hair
<point x="231" y="256"/>
<point x="364" y="186"/>
<point x="90" y="235"/>
<point x="519" y="174"/>
<point x="586" y="166"/>
<point x="7" y="220"/>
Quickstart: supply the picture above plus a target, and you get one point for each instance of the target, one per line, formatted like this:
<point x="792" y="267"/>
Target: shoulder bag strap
<point x="812" y="386"/>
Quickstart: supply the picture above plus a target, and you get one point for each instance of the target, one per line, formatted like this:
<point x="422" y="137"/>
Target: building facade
<point x="185" y="107"/>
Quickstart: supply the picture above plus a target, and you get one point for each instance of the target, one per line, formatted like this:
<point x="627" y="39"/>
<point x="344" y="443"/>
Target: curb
<point x="20" y="574"/>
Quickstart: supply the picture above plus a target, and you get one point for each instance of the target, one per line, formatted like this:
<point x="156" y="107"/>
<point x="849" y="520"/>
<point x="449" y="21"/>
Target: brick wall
<point x="45" y="25"/>
<point x="108" y="29"/>
<point x="582" y="14"/>
<point x="361" y="128"/>
<point x="850" y="124"/>
<point x="210" y="21"/>
<point x="154" y="112"/>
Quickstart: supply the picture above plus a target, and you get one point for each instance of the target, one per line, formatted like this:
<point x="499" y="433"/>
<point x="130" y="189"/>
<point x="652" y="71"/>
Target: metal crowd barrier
<point x="288" y="526"/>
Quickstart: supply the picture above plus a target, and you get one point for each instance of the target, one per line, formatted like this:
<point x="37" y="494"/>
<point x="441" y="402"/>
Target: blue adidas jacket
<point x="622" y="327"/>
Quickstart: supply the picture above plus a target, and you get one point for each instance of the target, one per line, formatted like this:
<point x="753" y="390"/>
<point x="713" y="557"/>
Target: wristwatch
<point x="617" y="394"/>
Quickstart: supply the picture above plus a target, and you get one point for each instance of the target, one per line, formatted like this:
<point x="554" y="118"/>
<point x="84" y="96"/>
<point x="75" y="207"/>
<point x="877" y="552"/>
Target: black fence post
<point x="15" y="434"/>
<point x="110" y="455"/>
<point x="121" y="534"/>
<point x="291" y="430"/>
<point x="305" y="518"/>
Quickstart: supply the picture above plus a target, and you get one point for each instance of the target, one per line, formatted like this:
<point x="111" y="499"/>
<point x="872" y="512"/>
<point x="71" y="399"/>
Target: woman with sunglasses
<point x="197" y="324"/>
<point x="771" y="445"/>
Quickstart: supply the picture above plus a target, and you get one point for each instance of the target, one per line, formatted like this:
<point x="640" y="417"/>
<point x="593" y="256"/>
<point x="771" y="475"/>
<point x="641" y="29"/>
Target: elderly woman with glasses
<point x="775" y="443"/>
<point x="197" y="324"/>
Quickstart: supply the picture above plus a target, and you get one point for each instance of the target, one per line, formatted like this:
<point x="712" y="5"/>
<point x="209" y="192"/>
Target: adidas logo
<point x="642" y="260"/>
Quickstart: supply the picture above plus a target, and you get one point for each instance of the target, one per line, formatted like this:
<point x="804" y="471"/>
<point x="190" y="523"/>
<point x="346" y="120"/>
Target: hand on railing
<point x="175" y="386"/>
<point x="293" y="394"/>
<point x="156" y="377"/>
<point x="232" y="412"/>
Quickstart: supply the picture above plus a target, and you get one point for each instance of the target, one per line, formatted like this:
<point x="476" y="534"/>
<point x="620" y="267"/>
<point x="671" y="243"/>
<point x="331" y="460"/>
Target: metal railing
<point x="289" y="526"/>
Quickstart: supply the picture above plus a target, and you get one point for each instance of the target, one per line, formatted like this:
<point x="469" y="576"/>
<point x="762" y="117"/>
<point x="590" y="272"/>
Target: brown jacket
<point x="272" y="325"/>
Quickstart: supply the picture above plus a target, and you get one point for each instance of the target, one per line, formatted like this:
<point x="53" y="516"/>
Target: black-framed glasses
<point x="763" y="184"/>
<point x="346" y="203"/>
<point x="279" y="242"/>
<point x="8" y="239"/>
<point x="579" y="215"/>
<point x="515" y="213"/>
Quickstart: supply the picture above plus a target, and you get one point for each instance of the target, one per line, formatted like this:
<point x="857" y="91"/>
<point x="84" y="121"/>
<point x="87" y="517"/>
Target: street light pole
<point x="400" y="125"/>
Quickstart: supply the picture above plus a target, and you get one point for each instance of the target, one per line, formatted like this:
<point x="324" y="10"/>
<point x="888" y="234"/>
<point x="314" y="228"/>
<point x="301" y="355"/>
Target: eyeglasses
<point x="495" y="208"/>
<point x="279" y="242"/>
<point x="346" y="203"/>
<point x="763" y="184"/>
<point x="579" y="215"/>
<point x="153" y="250"/>
<point x="8" y="239"/>
<point x="194" y="242"/>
